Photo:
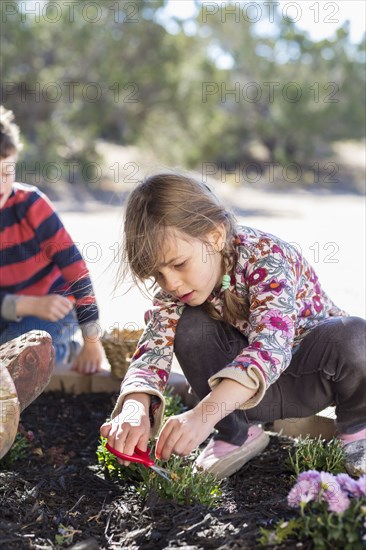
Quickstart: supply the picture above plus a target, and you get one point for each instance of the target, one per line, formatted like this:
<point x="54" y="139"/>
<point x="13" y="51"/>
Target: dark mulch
<point x="60" y="483"/>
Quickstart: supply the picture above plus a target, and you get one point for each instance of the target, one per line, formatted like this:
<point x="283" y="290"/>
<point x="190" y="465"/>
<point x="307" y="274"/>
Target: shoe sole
<point x="228" y="466"/>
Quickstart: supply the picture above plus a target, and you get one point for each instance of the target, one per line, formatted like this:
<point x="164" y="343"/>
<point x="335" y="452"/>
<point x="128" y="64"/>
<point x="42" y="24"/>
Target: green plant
<point x="110" y="464"/>
<point x="332" y="512"/>
<point x="331" y="530"/>
<point x="283" y="531"/>
<point x="65" y="534"/>
<point x="173" y="404"/>
<point x="186" y="485"/>
<point x="17" y="452"/>
<point x="113" y="468"/>
<point x="316" y="454"/>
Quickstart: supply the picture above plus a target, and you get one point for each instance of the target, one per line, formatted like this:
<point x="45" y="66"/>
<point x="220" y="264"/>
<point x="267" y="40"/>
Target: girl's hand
<point x="131" y="428"/>
<point x="49" y="308"/>
<point x="183" y="433"/>
<point x="89" y="360"/>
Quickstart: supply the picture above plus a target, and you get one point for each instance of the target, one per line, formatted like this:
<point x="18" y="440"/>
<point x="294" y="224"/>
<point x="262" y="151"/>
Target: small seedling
<point x="283" y="531"/>
<point x="316" y="454"/>
<point x="110" y="464"/>
<point x="18" y="451"/>
<point x="113" y="468"/>
<point x="65" y="534"/>
<point x="185" y="487"/>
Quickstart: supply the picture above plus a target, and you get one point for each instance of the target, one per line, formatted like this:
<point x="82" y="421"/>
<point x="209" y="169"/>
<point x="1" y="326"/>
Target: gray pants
<point x="327" y="368"/>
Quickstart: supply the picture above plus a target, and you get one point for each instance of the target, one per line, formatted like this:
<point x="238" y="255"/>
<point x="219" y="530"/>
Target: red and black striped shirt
<point x="38" y="256"/>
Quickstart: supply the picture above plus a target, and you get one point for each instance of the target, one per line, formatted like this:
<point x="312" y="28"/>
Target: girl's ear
<point x="218" y="237"/>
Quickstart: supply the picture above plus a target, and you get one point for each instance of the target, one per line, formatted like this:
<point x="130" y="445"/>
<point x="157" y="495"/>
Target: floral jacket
<point x="285" y="300"/>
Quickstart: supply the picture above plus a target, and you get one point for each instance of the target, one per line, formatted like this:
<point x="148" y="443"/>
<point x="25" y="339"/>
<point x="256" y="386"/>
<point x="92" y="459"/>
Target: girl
<point x="253" y="330"/>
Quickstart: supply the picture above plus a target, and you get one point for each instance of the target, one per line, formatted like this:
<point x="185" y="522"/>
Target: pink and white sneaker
<point x="223" y="459"/>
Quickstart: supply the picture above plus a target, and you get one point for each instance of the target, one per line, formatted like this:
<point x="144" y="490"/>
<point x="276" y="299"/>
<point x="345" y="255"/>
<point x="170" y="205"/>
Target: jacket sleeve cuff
<point x="251" y="378"/>
<point x="8" y="308"/>
<point x="156" y="411"/>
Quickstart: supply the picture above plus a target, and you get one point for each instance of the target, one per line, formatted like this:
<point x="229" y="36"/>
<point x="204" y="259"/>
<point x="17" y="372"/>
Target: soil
<point x="60" y="483"/>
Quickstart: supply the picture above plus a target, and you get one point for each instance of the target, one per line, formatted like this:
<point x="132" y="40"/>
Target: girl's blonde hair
<point x="166" y="201"/>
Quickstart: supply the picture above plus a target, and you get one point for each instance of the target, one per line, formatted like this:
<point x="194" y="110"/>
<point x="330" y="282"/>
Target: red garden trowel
<point x="141" y="457"/>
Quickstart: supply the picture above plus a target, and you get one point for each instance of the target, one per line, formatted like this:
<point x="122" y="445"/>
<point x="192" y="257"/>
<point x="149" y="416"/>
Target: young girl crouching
<point x="254" y="332"/>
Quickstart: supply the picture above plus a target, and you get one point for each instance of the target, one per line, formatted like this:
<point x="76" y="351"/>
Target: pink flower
<point x="349" y="485"/>
<point x="263" y="354"/>
<point x="362" y="485"/>
<point x="337" y="503"/>
<point x="297" y="267"/>
<point x="245" y="359"/>
<point x="163" y="375"/>
<point x="274" y="285"/>
<point x="304" y="491"/>
<point x="325" y="487"/>
<point x="267" y="356"/>
<point x="327" y="481"/>
<point x="306" y="310"/>
<point x="276" y="321"/>
<point x="310" y="475"/>
<point x="318" y="305"/>
<point x="257" y="276"/>
<point x="148" y="315"/>
<point x="332" y="493"/>
<point x="139" y="351"/>
<point x="313" y="276"/>
<point x="256" y="345"/>
<point x="317" y="288"/>
<point x="240" y="239"/>
<point x="276" y="248"/>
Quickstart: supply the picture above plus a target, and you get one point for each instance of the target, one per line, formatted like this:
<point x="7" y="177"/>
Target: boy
<point x="42" y="273"/>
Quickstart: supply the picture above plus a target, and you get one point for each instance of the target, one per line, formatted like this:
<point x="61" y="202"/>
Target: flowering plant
<point x="332" y="512"/>
<point x="316" y="454"/>
<point x="188" y="486"/>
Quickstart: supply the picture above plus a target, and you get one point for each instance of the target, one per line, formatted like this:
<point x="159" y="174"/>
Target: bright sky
<point x="320" y="18"/>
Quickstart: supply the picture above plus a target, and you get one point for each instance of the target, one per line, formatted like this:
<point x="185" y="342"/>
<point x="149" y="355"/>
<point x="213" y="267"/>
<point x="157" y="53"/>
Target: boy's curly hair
<point x="9" y="134"/>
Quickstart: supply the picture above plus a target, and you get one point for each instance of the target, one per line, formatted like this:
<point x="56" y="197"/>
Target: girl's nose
<point x="171" y="282"/>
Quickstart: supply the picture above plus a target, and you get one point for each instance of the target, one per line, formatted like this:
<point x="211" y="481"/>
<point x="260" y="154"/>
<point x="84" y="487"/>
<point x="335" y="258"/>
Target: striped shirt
<point x="38" y="256"/>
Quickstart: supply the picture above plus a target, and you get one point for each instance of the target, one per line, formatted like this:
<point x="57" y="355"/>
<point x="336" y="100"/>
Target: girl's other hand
<point x="183" y="433"/>
<point x="131" y="428"/>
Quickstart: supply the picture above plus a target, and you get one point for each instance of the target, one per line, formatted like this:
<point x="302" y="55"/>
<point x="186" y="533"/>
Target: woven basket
<point x="119" y="346"/>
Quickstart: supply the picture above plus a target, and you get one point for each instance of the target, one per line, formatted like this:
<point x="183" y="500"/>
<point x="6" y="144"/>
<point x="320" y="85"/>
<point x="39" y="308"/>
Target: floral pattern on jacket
<point x="285" y="301"/>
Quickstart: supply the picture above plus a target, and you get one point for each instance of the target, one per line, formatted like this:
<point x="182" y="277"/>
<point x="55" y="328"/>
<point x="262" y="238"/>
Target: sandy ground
<point x="329" y="229"/>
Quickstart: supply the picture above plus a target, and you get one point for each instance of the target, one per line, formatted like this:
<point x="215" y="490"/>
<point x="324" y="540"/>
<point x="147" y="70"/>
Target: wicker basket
<point x="119" y="346"/>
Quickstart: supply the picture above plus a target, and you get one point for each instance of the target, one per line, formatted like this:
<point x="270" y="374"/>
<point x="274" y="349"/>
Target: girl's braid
<point x="234" y="307"/>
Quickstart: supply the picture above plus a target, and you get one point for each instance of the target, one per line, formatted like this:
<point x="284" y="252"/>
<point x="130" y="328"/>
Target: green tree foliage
<point x="292" y="94"/>
<point x="114" y="72"/>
